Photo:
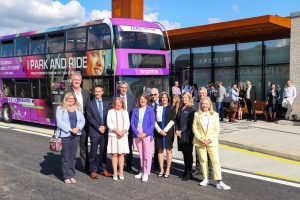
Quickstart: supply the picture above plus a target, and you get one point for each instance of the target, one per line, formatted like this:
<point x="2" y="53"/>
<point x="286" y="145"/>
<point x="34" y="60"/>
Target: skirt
<point x="117" y="146"/>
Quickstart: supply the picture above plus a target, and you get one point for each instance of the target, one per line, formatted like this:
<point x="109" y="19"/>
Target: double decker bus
<point x="36" y="67"/>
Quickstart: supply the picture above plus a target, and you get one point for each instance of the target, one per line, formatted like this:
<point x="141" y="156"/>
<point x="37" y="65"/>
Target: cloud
<point x="236" y="8"/>
<point x="17" y="16"/>
<point x="213" y="20"/>
<point x="154" y="17"/>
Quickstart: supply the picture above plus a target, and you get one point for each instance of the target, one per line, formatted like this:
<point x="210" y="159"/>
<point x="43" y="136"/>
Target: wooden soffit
<point x="245" y="30"/>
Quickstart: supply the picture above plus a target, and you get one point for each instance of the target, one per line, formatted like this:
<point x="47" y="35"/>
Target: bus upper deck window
<point x="76" y="39"/>
<point x="7" y="48"/>
<point x="21" y="46"/>
<point x="56" y="42"/>
<point x="37" y="45"/>
<point x="99" y="37"/>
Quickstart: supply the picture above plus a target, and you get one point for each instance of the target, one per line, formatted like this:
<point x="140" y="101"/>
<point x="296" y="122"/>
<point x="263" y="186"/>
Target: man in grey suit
<point x="220" y="95"/>
<point x="130" y="104"/>
<point x="83" y="96"/>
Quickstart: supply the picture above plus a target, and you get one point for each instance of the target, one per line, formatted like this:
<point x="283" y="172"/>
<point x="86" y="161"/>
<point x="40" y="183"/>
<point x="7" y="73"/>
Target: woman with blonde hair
<point x="206" y="128"/>
<point x="118" y="124"/>
<point x="70" y="121"/>
<point x="184" y="133"/>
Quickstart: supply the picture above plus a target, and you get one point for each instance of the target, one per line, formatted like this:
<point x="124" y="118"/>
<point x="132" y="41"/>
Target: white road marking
<point x="282" y="182"/>
<point x="4" y="127"/>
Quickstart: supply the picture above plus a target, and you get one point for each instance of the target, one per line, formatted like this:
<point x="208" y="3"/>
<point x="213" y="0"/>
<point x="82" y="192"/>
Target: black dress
<point x="165" y="142"/>
<point x="241" y="102"/>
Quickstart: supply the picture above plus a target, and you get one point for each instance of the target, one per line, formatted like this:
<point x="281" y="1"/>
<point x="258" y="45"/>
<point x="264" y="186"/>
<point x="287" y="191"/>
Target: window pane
<point x="224" y="55"/>
<point x="21" y="46"/>
<point x="201" y="57"/>
<point x="227" y="77"/>
<point x="181" y="58"/>
<point x="7" y="48"/>
<point x="23" y="88"/>
<point x="45" y="89"/>
<point x="99" y="37"/>
<point x="250" y="53"/>
<point x="279" y="75"/>
<point x="56" y="43"/>
<point x="254" y="74"/>
<point x="277" y="51"/>
<point x="37" y="45"/>
<point x="76" y="39"/>
<point x="202" y="77"/>
<point x="9" y="87"/>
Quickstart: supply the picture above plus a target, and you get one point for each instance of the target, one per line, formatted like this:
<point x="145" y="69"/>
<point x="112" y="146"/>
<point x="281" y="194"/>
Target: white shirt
<point x="117" y="119"/>
<point x="290" y="92"/>
<point x="248" y="92"/>
<point x="159" y="113"/>
<point x="205" y="121"/>
<point x="141" y="116"/>
<point x="79" y="97"/>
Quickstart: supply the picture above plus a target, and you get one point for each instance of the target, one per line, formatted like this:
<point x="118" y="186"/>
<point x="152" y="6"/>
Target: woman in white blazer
<point x="206" y="128"/>
<point x="70" y="121"/>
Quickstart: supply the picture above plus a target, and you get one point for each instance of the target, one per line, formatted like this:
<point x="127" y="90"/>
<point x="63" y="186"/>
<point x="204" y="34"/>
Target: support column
<point x="133" y="9"/>
<point x="295" y="59"/>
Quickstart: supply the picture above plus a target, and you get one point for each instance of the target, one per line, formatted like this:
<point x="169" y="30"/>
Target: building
<point x="262" y="49"/>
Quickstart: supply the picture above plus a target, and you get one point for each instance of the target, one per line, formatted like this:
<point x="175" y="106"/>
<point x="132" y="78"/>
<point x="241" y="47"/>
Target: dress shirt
<point x="176" y="90"/>
<point x="290" y="92"/>
<point x="79" y="97"/>
<point x="99" y="103"/>
<point x="125" y="99"/>
<point x="248" y="92"/>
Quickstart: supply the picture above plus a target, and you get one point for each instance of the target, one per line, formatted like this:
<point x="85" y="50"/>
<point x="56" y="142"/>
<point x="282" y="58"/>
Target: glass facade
<point x="261" y="62"/>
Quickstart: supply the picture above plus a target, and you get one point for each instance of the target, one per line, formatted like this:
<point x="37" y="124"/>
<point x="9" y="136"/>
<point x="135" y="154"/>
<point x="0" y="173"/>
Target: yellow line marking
<point x="261" y="154"/>
<point x="278" y="176"/>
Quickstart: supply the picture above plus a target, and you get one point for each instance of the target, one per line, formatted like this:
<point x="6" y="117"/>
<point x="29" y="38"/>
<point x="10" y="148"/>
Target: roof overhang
<point x="251" y="29"/>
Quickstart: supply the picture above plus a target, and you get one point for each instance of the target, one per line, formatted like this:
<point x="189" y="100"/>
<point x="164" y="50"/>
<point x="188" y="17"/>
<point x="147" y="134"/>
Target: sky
<point x="18" y="16"/>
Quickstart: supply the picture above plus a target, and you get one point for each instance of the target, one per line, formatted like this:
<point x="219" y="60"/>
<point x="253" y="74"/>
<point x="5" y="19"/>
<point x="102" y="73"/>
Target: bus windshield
<point x="130" y="37"/>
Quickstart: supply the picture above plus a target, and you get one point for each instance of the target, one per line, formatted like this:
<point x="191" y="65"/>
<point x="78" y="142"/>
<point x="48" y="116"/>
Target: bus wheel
<point x="6" y="114"/>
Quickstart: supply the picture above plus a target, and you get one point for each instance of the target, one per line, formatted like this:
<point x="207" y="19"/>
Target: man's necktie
<point x="100" y="110"/>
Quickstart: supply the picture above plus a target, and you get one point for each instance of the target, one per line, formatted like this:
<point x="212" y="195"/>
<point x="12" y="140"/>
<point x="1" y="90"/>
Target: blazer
<point x="112" y="121"/>
<point x="93" y="116"/>
<point x="253" y="93"/>
<point x="169" y="116"/>
<point x="63" y="122"/>
<point x="148" y="121"/>
<point x="212" y="132"/>
<point x="184" y="123"/>
<point x="270" y="97"/>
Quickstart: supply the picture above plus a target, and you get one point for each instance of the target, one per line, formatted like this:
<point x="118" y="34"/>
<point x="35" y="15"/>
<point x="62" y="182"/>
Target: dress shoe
<point x="106" y="173"/>
<point x="94" y="175"/>
<point x="73" y="180"/>
<point x="187" y="177"/>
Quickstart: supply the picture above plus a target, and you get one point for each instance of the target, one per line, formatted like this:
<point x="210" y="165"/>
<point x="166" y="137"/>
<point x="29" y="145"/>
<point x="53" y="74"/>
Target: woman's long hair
<point x="190" y="102"/>
<point x="211" y="108"/>
<point x="64" y="103"/>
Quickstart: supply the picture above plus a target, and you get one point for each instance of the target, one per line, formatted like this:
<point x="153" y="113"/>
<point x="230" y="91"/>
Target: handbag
<point x="233" y="106"/>
<point x="284" y="103"/>
<point x="55" y="143"/>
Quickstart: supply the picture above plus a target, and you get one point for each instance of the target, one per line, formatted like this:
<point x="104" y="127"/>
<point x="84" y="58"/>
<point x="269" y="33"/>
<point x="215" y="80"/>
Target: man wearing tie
<point x="251" y="100"/>
<point x="96" y="111"/>
<point x="130" y="104"/>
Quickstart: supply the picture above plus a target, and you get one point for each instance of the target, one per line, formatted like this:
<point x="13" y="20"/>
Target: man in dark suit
<point x="83" y="96"/>
<point x="130" y="104"/>
<point x="96" y="111"/>
<point x="251" y="100"/>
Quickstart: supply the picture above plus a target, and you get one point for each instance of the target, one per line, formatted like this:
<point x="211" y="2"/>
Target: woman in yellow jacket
<point x="206" y="128"/>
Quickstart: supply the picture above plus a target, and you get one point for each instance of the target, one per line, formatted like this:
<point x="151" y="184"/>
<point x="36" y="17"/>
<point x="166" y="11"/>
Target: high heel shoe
<point x="160" y="174"/>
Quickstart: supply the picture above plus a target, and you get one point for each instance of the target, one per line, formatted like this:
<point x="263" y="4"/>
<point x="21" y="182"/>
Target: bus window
<point x="7" y="48"/>
<point x="23" y="88"/>
<point x="108" y="85"/>
<point x="56" y="42"/>
<point x="37" y="45"/>
<point x="44" y="89"/>
<point x="99" y="37"/>
<point x="76" y="39"/>
<point x="21" y="46"/>
<point x="9" y="87"/>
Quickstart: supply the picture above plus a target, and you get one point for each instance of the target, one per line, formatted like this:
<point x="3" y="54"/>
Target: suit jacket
<point x="93" y="116"/>
<point x="253" y="93"/>
<point x="212" y="132"/>
<point x="148" y="121"/>
<point x="184" y="122"/>
<point x="63" y="122"/>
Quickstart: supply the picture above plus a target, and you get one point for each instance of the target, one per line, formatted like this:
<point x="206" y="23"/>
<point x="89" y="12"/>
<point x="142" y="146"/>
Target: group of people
<point x="150" y="123"/>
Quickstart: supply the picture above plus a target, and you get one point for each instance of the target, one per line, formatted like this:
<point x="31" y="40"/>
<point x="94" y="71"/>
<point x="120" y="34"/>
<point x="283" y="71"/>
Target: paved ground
<point x="29" y="171"/>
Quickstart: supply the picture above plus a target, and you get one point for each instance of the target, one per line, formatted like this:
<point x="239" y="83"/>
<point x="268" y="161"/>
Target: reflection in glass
<point x="181" y="58"/>
<point x="227" y="76"/>
<point x="277" y="51"/>
<point x="250" y="53"/>
<point x="224" y="55"/>
<point x="254" y="74"/>
<point x="201" y="57"/>
<point x="202" y="77"/>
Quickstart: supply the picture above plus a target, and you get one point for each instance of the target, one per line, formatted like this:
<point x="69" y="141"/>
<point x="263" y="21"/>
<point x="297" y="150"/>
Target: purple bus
<point x="36" y="67"/>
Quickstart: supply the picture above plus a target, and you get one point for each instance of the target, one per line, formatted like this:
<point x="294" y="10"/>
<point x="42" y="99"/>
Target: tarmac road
<point x="28" y="170"/>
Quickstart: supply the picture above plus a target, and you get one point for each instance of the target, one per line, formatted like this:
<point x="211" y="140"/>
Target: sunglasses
<point x="153" y="94"/>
